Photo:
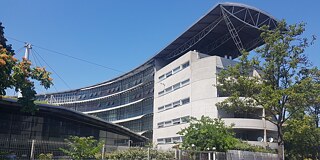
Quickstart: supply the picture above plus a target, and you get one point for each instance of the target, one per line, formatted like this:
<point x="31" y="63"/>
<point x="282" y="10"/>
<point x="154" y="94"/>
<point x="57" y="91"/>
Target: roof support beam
<point x="194" y="40"/>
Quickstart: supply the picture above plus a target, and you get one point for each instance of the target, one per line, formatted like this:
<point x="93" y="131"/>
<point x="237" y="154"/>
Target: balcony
<point x="243" y="123"/>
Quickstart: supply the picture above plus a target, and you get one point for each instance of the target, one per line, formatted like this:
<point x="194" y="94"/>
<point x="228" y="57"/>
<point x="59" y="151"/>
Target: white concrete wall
<point x="202" y="93"/>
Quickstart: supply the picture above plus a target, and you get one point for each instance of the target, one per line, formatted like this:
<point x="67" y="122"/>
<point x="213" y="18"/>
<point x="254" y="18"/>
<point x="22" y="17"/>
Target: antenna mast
<point x="28" y="47"/>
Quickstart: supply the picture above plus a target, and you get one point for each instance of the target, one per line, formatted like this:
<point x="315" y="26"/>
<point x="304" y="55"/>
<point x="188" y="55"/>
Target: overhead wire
<point x="52" y="69"/>
<point x="69" y="56"/>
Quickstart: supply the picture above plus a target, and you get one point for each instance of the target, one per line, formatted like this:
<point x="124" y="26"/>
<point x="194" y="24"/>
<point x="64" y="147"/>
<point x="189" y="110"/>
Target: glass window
<point x="161" y="108"/>
<point x="168" y="74"/>
<point x="169" y="89"/>
<point x="176" y="139"/>
<point x="167" y="123"/>
<point x="176" y="121"/>
<point x="185" y="82"/>
<point x="176" y="104"/>
<point x="162" y="77"/>
<point x="160" y="125"/>
<point x="168" y="140"/>
<point x="185" y="119"/>
<point x="185" y="101"/>
<point x="176" y="70"/>
<point x="185" y="65"/>
<point x="161" y="140"/>
<point x="161" y="93"/>
<point x="168" y="106"/>
<point x="176" y="86"/>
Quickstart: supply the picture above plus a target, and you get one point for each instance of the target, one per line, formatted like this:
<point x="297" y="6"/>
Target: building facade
<point x="187" y="88"/>
<point x="51" y="125"/>
<point x="131" y="100"/>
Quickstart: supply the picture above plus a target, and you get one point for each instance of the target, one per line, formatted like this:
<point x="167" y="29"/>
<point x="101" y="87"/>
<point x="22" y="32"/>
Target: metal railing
<point x="230" y="155"/>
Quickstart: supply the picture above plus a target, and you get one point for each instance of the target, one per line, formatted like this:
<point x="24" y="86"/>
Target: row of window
<point x="115" y="100"/>
<point x="174" y="87"/>
<point x="174" y="104"/>
<point x="144" y="107"/>
<point x="173" y="122"/>
<point x="170" y="140"/>
<point x="139" y="78"/>
<point x="143" y="124"/>
<point x="174" y="71"/>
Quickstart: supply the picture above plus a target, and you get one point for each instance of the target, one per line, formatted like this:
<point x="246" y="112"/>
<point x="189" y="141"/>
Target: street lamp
<point x="129" y="142"/>
<point x="214" y="153"/>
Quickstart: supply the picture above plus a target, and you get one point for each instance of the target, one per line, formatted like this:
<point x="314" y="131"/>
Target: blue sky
<point x="121" y="34"/>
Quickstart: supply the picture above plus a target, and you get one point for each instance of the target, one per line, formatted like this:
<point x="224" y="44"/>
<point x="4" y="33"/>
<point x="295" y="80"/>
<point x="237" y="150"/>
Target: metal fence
<point x="31" y="149"/>
<point x="230" y="155"/>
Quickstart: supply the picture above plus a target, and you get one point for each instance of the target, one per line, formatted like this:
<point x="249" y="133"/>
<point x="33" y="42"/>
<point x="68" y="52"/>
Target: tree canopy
<point x="19" y="75"/>
<point x="277" y="77"/>
<point x="206" y="133"/>
<point x="302" y="139"/>
<point x="82" y="147"/>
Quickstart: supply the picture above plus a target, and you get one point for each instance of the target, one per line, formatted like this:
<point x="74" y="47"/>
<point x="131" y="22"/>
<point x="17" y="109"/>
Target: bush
<point x="82" y="147"/>
<point x="244" y="146"/>
<point x="139" y="153"/>
<point x="47" y="156"/>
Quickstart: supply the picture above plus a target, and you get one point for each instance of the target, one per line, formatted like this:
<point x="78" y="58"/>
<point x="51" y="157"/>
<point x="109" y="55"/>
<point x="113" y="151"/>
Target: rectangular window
<point x="161" y="141"/>
<point x="176" y="139"/>
<point x="162" y="77"/>
<point x="176" y="86"/>
<point x="161" y="108"/>
<point x="176" y="70"/>
<point x="185" y="101"/>
<point x="167" y="123"/>
<point x="185" y="65"/>
<point x="168" y="140"/>
<point x="185" y="119"/>
<point x="168" y="106"/>
<point x="176" y="121"/>
<point x="169" y="89"/>
<point x="185" y="82"/>
<point x="160" y="125"/>
<point x="160" y="93"/>
<point x="168" y="74"/>
<point x="176" y="104"/>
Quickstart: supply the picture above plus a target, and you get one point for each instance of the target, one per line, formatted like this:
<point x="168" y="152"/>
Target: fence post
<point x="102" y="152"/>
<point x="148" y="153"/>
<point x="32" y="149"/>
<point x="214" y="155"/>
<point x="209" y="155"/>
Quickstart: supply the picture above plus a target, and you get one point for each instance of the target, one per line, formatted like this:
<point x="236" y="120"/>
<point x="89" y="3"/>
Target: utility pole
<point x="28" y="47"/>
<point x="27" y="52"/>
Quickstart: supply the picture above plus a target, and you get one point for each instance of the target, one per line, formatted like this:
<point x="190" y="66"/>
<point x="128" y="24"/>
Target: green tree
<point x="206" y="133"/>
<point x="20" y="75"/>
<point x="302" y="139"/>
<point x="314" y="100"/>
<point x="281" y="88"/>
<point x="82" y="147"/>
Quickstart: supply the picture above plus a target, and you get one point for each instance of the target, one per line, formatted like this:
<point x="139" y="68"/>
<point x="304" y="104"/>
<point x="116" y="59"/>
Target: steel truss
<point x="194" y="40"/>
<point x="251" y="18"/>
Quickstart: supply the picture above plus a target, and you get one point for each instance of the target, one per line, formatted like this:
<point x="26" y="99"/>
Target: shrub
<point x="139" y="153"/>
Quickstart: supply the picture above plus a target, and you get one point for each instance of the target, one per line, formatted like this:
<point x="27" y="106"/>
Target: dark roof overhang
<point x="73" y="115"/>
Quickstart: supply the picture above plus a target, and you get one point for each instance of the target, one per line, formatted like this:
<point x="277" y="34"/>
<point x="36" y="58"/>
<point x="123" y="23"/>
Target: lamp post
<point x="129" y="142"/>
<point x="193" y="148"/>
<point x="214" y="153"/>
<point x="209" y="153"/>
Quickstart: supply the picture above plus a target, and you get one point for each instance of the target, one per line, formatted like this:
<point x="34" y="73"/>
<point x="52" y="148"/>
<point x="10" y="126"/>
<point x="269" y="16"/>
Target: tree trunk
<point x="280" y="142"/>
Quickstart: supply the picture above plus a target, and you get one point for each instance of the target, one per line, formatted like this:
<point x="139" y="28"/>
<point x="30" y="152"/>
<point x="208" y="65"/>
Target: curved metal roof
<point x="224" y="30"/>
<point x="77" y="116"/>
<point x="220" y="29"/>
